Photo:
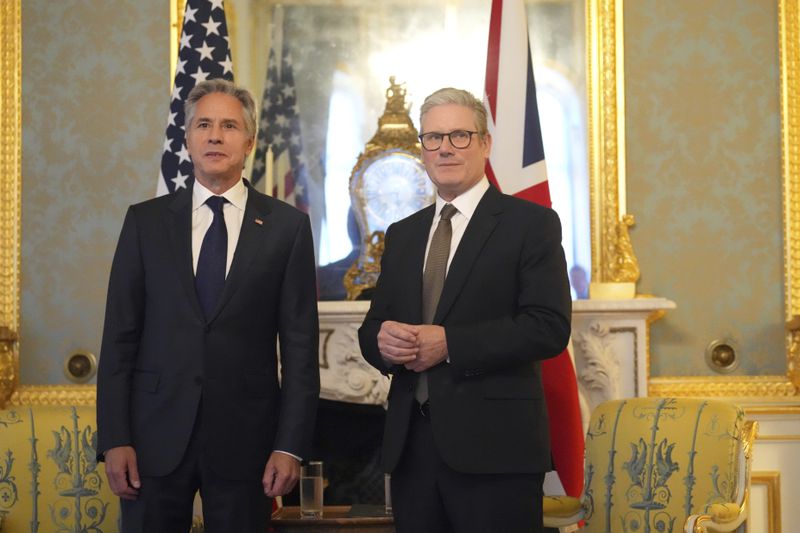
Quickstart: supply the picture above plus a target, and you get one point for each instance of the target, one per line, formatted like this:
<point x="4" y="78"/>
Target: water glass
<point x="311" y="490"/>
<point x="387" y="494"/>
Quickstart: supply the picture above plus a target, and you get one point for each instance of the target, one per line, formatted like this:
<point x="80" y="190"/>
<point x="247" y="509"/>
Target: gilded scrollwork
<point x="364" y="273"/>
<point x="626" y="266"/>
<point x="395" y="128"/>
<point x="793" y="363"/>
<point x="8" y="374"/>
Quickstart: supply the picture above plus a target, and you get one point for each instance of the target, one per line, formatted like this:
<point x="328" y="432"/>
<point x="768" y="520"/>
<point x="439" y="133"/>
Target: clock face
<point x="394" y="186"/>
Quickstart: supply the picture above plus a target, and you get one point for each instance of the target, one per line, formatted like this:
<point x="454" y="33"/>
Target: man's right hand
<point x="397" y="342"/>
<point x="122" y="472"/>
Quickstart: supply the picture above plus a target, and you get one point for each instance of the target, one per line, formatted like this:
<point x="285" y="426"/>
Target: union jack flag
<point x="517" y="166"/>
<point x="279" y="129"/>
<point x="203" y="55"/>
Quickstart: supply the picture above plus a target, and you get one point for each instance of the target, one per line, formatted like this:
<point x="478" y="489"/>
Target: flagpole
<point x="281" y="187"/>
<point x="270" y="179"/>
<point x="277" y="46"/>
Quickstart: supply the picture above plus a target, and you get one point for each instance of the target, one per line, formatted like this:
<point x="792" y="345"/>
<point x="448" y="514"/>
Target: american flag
<point x="279" y="128"/>
<point x="203" y="55"/>
<point x="517" y="166"/>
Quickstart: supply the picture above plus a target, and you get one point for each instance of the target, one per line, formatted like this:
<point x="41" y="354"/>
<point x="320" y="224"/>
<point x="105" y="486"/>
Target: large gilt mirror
<point x="578" y="52"/>
<point x="341" y="57"/>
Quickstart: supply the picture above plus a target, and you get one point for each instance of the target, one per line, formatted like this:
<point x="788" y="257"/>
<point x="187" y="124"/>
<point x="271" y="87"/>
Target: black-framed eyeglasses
<point x="458" y="139"/>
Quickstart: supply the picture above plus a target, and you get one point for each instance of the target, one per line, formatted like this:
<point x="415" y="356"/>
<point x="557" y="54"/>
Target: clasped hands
<point x="417" y="347"/>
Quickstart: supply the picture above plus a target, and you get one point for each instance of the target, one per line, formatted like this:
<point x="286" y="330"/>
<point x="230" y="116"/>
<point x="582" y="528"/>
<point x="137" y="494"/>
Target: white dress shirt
<point x="202" y="216"/>
<point x="466" y="203"/>
<point x="233" y="212"/>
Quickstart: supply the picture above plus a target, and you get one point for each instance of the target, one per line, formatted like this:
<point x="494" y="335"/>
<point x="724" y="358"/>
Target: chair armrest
<point x="721" y="517"/>
<point x="560" y="511"/>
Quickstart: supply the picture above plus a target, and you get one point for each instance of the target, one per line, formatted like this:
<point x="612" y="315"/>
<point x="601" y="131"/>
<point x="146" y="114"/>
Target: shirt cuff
<point x="290" y="455"/>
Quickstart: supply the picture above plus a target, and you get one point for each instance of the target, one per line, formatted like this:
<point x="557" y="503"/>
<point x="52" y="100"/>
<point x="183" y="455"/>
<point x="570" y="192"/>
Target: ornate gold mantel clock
<point x="388" y="183"/>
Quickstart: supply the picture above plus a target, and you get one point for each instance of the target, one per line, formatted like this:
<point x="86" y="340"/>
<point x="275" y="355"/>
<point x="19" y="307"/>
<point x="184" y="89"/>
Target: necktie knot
<point x="216" y="203"/>
<point x="448" y="211"/>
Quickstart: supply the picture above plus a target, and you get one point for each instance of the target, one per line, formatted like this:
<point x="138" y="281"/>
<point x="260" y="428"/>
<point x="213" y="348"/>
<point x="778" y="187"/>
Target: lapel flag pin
<point x="259" y="222"/>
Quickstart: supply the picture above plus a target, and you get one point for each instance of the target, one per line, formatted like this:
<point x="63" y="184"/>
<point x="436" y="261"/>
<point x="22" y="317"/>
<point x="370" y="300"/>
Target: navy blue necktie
<point x="210" y="275"/>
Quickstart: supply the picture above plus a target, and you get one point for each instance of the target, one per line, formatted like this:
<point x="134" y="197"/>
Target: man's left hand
<point x="280" y="475"/>
<point x="432" y="345"/>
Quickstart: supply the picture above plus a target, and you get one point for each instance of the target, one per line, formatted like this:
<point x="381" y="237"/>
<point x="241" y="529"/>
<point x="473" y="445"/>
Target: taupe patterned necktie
<point x="433" y="280"/>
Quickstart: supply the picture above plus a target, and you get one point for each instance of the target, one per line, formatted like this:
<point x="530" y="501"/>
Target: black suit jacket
<point x="505" y="306"/>
<point x="162" y="363"/>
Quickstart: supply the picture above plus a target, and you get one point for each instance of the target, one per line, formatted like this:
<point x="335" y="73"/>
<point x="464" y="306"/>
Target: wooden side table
<point x="335" y="519"/>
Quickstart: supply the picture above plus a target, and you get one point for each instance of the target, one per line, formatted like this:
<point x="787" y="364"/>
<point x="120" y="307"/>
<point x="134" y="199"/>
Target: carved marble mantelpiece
<point x="609" y="338"/>
<point x="344" y="375"/>
<point x="611" y="346"/>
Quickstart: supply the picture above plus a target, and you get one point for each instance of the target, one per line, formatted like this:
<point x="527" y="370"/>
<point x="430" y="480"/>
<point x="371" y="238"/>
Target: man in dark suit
<point x="473" y="294"/>
<point x="202" y="283"/>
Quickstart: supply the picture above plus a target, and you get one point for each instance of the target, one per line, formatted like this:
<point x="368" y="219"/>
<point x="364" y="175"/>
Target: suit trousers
<point x="165" y="503"/>
<point x="430" y="497"/>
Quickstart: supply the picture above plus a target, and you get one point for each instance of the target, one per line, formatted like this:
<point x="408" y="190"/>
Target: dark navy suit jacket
<point x="162" y="363"/>
<point x="505" y="306"/>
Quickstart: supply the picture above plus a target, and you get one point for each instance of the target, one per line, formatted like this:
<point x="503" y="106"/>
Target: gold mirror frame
<point x="606" y="101"/>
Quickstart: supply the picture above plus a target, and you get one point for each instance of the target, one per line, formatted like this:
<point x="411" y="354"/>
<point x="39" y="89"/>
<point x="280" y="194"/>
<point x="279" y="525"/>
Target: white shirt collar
<point x="467" y="201"/>
<point x="236" y="195"/>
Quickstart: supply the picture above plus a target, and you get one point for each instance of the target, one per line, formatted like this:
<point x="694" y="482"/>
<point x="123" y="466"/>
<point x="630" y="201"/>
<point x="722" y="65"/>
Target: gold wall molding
<point x="54" y="395"/>
<point x="713" y="387"/>
<point x="776" y="410"/>
<point x="780" y="438"/>
<point x="176" y="11"/>
<point x="772" y="481"/>
<point x="606" y="118"/>
<point x="10" y="188"/>
<point x="789" y="34"/>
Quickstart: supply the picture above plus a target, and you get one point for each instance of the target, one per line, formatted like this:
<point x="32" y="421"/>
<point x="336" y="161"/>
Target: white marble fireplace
<point x="609" y="345"/>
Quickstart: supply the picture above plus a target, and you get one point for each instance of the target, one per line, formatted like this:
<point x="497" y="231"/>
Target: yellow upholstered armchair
<point x="662" y="464"/>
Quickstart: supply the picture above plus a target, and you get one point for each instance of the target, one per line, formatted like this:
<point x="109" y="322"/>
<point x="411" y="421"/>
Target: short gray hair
<point x="449" y="95"/>
<point x="220" y="85"/>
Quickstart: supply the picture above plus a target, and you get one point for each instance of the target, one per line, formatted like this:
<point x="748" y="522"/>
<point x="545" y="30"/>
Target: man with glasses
<point x="473" y="294"/>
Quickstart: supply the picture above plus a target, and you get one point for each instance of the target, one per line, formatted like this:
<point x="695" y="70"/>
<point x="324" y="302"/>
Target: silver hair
<point x="220" y="85"/>
<point x="449" y="95"/>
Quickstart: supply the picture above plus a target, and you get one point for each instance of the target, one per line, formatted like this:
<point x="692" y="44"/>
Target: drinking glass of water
<point x="311" y="490"/>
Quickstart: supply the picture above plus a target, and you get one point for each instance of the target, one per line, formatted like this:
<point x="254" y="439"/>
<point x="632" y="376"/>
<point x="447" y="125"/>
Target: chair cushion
<point x="560" y="506"/>
<point x="48" y="473"/>
<point x="651" y="462"/>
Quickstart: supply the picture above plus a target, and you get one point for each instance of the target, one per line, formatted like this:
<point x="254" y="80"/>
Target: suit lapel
<point x="251" y="234"/>
<point x="179" y="228"/>
<point x="480" y="227"/>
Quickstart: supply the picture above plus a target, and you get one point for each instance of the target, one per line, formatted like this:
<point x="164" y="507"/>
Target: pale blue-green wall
<point x="704" y="177"/>
<point x="95" y="90"/>
<point x="703" y="133"/>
